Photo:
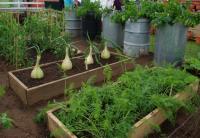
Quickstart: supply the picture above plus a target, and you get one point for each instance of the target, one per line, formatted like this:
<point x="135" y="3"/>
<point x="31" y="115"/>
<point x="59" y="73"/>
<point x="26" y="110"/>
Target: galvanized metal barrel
<point x="113" y="32"/>
<point x="170" y="44"/>
<point x="136" y="37"/>
<point x="72" y="24"/>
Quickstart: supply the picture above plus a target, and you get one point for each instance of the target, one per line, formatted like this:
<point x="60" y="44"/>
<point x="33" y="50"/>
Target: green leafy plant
<point x="175" y="12"/>
<point x="107" y="71"/>
<point x="192" y="63"/>
<point x="5" y="121"/>
<point x="12" y="40"/>
<point x="111" y="110"/>
<point x="39" y="28"/>
<point x="89" y="7"/>
<point x="43" y="27"/>
<point x="134" y="11"/>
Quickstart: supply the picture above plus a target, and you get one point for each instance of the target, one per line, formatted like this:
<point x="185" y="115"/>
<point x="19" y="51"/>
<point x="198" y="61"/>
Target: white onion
<point x="66" y="64"/>
<point x="89" y="59"/>
<point x="105" y="54"/>
<point x="37" y="72"/>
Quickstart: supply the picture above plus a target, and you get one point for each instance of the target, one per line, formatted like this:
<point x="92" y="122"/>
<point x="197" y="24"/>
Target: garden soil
<point x="23" y="116"/>
<point x="53" y="72"/>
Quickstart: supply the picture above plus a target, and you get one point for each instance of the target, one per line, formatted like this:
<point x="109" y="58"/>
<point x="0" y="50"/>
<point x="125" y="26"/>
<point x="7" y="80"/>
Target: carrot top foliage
<point x="111" y="110"/>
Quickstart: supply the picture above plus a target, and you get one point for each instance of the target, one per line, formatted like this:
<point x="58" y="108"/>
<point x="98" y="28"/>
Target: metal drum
<point x="72" y="24"/>
<point x="113" y="32"/>
<point x="136" y="37"/>
<point x="170" y="44"/>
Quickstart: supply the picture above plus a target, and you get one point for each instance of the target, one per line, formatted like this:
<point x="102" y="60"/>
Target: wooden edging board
<point x="30" y="96"/>
<point x="140" y="129"/>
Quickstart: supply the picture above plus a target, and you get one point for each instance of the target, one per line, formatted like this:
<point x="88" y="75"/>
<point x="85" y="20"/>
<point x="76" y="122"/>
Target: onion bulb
<point x="66" y="64"/>
<point x="37" y="72"/>
<point x="105" y="54"/>
<point x="78" y="51"/>
<point x="89" y="59"/>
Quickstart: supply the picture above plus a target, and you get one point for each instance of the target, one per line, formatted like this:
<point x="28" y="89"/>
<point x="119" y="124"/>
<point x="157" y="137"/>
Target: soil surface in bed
<point x="53" y="72"/>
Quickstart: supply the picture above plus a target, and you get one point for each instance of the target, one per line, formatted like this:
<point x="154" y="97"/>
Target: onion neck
<point x="38" y="61"/>
<point x="90" y="54"/>
<point x="67" y="53"/>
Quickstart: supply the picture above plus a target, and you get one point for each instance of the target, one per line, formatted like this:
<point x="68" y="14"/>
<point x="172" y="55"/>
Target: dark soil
<point x="189" y="129"/>
<point x="194" y="72"/>
<point x="53" y="71"/>
<point x="167" y="127"/>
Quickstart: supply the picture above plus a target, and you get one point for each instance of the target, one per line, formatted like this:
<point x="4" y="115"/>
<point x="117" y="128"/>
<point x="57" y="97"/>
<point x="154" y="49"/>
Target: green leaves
<point x="134" y="11"/>
<point x="89" y="7"/>
<point x="175" y="12"/>
<point x="5" y="121"/>
<point x="38" y="29"/>
<point x="107" y="72"/>
<point x="192" y="63"/>
<point x="111" y="110"/>
<point x="12" y="40"/>
<point x="42" y="28"/>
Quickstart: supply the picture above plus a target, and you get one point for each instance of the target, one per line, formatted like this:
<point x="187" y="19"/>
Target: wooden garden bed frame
<point x="30" y="96"/>
<point x="140" y="129"/>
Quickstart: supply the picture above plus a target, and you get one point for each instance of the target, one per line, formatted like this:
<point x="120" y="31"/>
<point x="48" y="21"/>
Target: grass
<point x="192" y="49"/>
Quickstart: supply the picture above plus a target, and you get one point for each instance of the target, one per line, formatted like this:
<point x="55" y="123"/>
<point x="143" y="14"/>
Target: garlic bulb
<point x="66" y="64"/>
<point x="37" y="72"/>
<point x="105" y="54"/>
<point x="89" y="59"/>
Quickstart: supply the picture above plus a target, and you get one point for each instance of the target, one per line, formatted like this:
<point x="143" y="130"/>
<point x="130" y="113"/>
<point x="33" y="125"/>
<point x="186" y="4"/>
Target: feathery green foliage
<point x="111" y="110"/>
<point x="192" y="63"/>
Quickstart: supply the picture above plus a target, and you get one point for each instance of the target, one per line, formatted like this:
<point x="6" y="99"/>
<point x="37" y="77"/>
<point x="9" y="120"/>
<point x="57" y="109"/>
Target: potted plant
<point x="91" y="18"/>
<point x="110" y="27"/>
<point x="72" y="22"/>
<point x="172" y="23"/>
<point x="136" y="17"/>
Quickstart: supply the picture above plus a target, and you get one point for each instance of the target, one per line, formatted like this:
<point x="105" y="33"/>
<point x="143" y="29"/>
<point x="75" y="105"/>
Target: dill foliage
<point x="111" y="110"/>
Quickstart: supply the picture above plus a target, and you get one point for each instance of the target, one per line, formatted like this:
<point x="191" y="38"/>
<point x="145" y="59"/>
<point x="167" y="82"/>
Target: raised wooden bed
<point x="140" y="129"/>
<point x="30" y="95"/>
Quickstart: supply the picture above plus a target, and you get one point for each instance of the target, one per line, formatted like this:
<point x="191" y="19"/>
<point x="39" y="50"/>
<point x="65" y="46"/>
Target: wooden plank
<point x="18" y="87"/>
<point x="140" y="129"/>
<point x="54" y="124"/>
<point x="55" y="88"/>
<point x="144" y="126"/>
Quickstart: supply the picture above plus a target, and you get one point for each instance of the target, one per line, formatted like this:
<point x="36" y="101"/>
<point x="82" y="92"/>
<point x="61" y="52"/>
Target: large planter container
<point x="170" y="44"/>
<point x="112" y="31"/>
<point x="72" y="24"/>
<point x="91" y="26"/>
<point x="137" y="37"/>
<point x="140" y="129"/>
<point x="31" y="95"/>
